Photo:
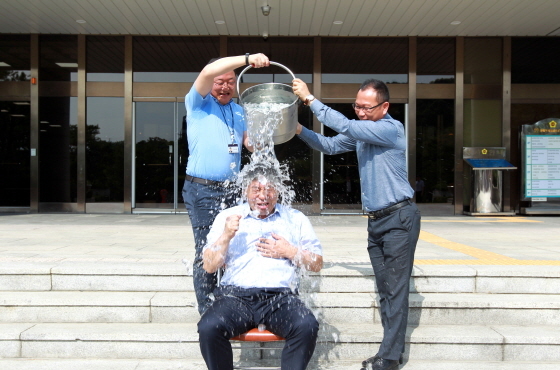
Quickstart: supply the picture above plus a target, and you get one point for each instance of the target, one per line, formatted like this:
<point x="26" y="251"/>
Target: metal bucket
<point x="272" y="93"/>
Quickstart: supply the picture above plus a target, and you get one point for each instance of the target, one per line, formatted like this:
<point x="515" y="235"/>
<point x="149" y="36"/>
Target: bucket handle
<point x="250" y="66"/>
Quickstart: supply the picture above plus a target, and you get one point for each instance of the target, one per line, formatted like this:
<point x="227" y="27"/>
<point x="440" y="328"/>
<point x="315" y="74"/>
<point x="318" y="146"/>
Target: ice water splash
<point x="262" y="120"/>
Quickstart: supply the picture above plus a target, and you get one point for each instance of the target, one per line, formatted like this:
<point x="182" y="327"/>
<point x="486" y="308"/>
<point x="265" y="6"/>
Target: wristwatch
<point x="308" y="99"/>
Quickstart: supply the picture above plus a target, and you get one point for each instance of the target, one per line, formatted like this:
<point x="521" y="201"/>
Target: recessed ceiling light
<point x="44" y="122"/>
<point x="17" y="115"/>
<point x="80" y="21"/>
<point x="455" y="23"/>
<point x="55" y="125"/>
<point x="67" y="65"/>
<point x="220" y="22"/>
<point x="21" y="103"/>
<point x="338" y="22"/>
<point x="2" y="64"/>
<point x="4" y="111"/>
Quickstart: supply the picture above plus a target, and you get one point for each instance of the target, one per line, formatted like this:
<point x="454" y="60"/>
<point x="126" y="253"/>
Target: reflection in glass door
<point x="159" y="159"/>
<point x="435" y="150"/>
<point x="14" y="154"/>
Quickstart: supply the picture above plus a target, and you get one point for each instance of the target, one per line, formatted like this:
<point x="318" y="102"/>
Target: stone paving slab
<point x="196" y="364"/>
<point x="342" y="341"/>
<point x="339" y="333"/>
<point x="519" y="240"/>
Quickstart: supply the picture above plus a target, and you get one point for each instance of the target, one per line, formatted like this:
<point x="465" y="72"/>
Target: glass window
<point x="105" y="58"/>
<point x="58" y="149"/>
<point x="483" y="61"/>
<point x="172" y="59"/>
<point x="105" y="150"/>
<point x="483" y="122"/>
<point x="295" y="53"/>
<point x="435" y="60"/>
<point x="483" y="117"/>
<point x="15" y="59"/>
<point x="58" y="58"/>
<point x="535" y="60"/>
<point x="355" y="59"/>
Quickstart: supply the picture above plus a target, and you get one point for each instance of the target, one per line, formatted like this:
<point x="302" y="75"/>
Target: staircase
<point x="142" y="316"/>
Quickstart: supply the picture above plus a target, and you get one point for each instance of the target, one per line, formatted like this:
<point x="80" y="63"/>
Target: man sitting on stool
<point x="261" y="244"/>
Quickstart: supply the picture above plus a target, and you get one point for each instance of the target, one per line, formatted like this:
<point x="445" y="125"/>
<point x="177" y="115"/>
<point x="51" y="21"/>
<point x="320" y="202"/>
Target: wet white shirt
<point x="245" y="266"/>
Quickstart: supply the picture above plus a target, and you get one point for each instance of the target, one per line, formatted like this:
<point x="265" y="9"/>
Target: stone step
<point x="180" y="307"/>
<point x="343" y="342"/>
<point x="347" y="277"/>
<point x="197" y="364"/>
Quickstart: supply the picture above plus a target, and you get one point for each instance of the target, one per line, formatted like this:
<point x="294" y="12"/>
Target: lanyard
<point x="231" y="131"/>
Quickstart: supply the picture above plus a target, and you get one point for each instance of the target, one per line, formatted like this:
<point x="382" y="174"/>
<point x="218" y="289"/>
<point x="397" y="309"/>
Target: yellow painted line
<point x="479" y="220"/>
<point x="462" y="248"/>
<point x="481" y="257"/>
<point x="478" y="262"/>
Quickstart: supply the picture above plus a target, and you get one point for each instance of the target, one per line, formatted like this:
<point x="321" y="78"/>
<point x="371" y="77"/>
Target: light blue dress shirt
<point x="209" y="128"/>
<point x="245" y="266"/>
<point x="380" y="147"/>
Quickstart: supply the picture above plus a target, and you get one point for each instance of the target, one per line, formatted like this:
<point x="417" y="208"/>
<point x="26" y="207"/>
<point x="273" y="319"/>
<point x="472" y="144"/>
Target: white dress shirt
<point x="244" y="265"/>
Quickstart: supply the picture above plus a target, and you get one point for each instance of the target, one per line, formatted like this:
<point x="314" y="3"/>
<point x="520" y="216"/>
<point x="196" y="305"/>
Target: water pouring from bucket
<point x="271" y="116"/>
<point x="261" y="100"/>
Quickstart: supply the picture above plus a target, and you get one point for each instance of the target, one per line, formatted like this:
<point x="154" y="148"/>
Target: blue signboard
<point x="490" y="164"/>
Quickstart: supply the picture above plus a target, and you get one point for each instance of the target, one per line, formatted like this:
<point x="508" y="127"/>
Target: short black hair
<point x="380" y="88"/>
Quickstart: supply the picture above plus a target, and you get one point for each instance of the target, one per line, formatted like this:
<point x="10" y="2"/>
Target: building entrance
<point x="159" y="155"/>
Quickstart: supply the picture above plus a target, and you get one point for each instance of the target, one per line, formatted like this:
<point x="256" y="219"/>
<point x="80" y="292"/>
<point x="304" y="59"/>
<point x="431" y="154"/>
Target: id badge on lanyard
<point x="233" y="148"/>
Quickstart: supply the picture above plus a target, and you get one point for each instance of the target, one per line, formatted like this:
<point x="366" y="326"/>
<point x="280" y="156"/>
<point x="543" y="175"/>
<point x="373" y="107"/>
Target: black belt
<point x="198" y="180"/>
<point x="375" y="215"/>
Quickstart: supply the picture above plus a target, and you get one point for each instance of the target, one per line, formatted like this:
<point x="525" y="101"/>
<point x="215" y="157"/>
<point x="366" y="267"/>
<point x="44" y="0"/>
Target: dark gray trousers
<point x="391" y="246"/>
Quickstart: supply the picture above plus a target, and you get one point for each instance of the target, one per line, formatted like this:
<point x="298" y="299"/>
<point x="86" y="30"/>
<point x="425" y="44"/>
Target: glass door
<point x="14" y="154"/>
<point x="435" y="150"/>
<point x="159" y="155"/>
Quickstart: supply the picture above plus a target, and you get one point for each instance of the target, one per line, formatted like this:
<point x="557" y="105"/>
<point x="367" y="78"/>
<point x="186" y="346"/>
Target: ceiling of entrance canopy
<point x="286" y="17"/>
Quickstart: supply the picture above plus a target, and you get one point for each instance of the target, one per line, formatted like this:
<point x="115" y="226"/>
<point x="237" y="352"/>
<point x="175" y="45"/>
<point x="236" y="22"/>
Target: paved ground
<point x="444" y="240"/>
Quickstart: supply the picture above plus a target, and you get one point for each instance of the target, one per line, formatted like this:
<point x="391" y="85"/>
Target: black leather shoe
<point x="371" y="360"/>
<point x="380" y="364"/>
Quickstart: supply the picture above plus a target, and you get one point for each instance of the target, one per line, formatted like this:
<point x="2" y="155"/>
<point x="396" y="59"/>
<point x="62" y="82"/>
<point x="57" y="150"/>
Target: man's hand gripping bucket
<point x="272" y="93"/>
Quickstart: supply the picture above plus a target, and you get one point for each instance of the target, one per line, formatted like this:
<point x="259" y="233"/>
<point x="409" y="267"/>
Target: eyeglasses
<point x="365" y="109"/>
<point x="222" y="83"/>
<point x="259" y="189"/>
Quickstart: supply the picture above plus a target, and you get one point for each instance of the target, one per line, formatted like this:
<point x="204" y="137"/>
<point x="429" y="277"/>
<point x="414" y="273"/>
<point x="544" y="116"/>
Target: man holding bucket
<point x="394" y="220"/>
<point x="215" y="131"/>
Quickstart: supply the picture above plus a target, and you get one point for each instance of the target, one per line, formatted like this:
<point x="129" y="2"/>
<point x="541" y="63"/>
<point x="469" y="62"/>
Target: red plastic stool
<point x="260" y="336"/>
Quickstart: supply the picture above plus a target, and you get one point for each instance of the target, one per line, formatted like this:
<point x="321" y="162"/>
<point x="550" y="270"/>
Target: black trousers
<point x="236" y="310"/>
<point x="391" y="246"/>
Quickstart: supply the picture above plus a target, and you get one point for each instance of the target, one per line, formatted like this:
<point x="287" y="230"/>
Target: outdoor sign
<point x="540" y="150"/>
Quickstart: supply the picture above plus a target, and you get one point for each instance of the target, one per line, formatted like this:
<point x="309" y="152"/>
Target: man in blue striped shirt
<point x="394" y="220"/>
